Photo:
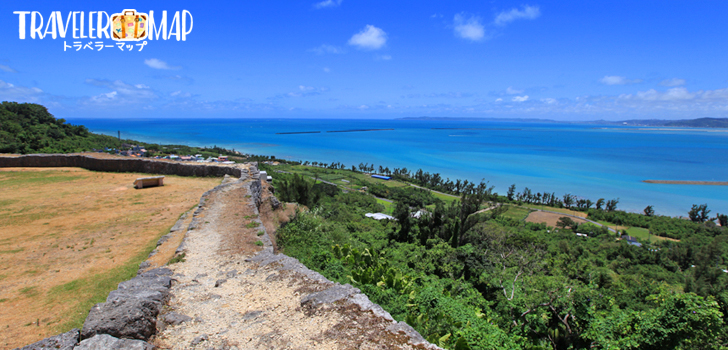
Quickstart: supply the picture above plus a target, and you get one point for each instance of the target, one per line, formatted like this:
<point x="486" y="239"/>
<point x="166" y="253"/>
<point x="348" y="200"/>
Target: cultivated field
<point x="549" y="218"/>
<point x="68" y="236"/>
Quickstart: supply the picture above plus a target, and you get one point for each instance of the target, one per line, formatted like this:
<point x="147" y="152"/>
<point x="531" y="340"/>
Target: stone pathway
<point x="229" y="294"/>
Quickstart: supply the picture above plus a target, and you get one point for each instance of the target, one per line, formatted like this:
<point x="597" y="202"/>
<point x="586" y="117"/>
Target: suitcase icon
<point x="129" y="26"/>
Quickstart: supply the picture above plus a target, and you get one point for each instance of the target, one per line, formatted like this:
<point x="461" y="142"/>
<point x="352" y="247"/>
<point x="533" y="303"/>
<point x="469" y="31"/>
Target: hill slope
<point x="30" y="128"/>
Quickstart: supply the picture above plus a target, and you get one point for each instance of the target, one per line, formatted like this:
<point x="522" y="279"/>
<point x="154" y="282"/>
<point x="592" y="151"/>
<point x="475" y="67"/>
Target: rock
<point x="251" y="315"/>
<point x="198" y="340"/>
<point x="165" y="238"/>
<point x="174" y="318"/>
<point x="231" y="273"/>
<point x="132" y="318"/>
<point x="151" y="285"/>
<point x="414" y="337"/>
<point x="219" y="283"/>
<point x="274" y="202"/>
<point x="144" y="265"/>
<point x="107" y="342"/>
<point x="64" y="341"/>
<point x="331" y="295"/>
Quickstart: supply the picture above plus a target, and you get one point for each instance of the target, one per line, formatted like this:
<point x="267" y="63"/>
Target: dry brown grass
<point x="549" y="218"/>
<point x="64" y="231"/>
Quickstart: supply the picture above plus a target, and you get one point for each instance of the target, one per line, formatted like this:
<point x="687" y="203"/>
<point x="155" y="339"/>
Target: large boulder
<point x="107" y="342"/>
<point x="131" y="318"/>
<point x="65" y="341"/>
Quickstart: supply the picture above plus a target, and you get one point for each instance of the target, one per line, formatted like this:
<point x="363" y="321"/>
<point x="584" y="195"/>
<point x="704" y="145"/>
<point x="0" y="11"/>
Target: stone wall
<point x="126" y="165"/>
<point x="128" y="318"/>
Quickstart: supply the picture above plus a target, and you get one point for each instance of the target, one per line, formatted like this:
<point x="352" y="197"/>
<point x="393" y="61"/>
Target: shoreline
<point x="680" y="182"/>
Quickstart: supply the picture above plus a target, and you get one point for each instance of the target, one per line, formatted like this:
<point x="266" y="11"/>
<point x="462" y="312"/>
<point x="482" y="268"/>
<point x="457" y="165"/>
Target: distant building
<point x="631" y="240"/>
<point x="379" y="216"/>
<point x="419" y="213"/>
<point x="381" y="177"/>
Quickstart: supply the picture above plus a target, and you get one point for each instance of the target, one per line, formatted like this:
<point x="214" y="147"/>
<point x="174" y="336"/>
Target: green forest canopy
<point x="485" y="281"/>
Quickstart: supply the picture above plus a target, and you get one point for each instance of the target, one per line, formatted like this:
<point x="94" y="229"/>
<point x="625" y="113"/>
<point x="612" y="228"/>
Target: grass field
<point x="68" y="236"/>
<point x="644" y="234"/>
<point x="518" y="213"/>
<point x="558" y="210"/>
<point x="355" y="180"/>
<point x="388" y="206"/>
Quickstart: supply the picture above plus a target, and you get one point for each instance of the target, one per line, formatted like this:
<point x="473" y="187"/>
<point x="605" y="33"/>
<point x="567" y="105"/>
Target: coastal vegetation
<point x="463" y="264"/>
<point x="27" y="128"/>
<point x="466" y="278"/>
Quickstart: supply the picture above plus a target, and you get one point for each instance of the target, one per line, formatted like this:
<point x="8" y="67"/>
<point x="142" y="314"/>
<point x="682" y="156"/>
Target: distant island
<point x="532" y="120"/>
<point x="683" y="123"/>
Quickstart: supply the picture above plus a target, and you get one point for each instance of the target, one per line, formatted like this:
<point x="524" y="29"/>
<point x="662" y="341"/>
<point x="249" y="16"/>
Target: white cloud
<point x="121" y="93"/>
<point x="382" y="57"/>
<point x="324" y="49"/>
<point x="5" y="68"/>
<point x="369" y="38"/>
<point x="549" y="100"/>
<point x="526" y="12"/>
<point x="11" y="92"/>
<point x="674" y="94"/>
<point x="523" y="98"/>
<point x="673" y="82"/>
<point x="158" y="64"/>
<point x="327" y="3"/>
<point x="303" y="91"/>
<point x="469" y="28"/>
<point x="511" y="91"/>
<point x="498" y="99"/>
<point x="327" y="70"/>
<point x="617" y="80"/>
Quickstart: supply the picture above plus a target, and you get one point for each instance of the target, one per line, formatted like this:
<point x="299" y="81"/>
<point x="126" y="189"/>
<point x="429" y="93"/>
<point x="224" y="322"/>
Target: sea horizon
<point x="585" y="159"/>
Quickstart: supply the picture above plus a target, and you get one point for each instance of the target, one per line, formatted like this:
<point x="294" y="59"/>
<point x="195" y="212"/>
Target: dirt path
<point x="235" y="300"/>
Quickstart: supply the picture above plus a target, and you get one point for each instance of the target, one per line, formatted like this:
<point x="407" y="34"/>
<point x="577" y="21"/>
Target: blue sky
<point x="563" y="60"/>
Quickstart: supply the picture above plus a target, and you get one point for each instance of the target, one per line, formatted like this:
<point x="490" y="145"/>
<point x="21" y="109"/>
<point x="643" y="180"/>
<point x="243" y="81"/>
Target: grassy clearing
<point x="355" y="180"/>
<point x="558" y="210"/>
<point x="644" y="234"/>
<point x="388" y="206"/>
<point x="517" y="213"/>
<point x="12" y="251"/>
<point x="73" y="235"/>
<point x="91" y="290"/>
<point x="444" y="197"/>
<point x="22" y="179"/>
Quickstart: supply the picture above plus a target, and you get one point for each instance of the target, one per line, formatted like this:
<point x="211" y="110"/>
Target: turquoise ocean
<point x="587" y="160"/>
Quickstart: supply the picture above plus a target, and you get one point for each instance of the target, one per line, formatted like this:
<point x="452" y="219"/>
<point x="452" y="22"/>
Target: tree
<point x="568" y="200"/>
<point x="649" y="210"/>
<point x="511" y="192"/>
<point x="612" y="204"/>
<point x="566" y="222"/>
<point x="722" y="220"/>
<point x="699" y="213"/>
<point x="600" y="203"/>
<point x="402" y="214"/>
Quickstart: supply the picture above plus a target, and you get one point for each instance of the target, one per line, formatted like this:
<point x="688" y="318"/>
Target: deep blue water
<point x="591" y="161"/>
